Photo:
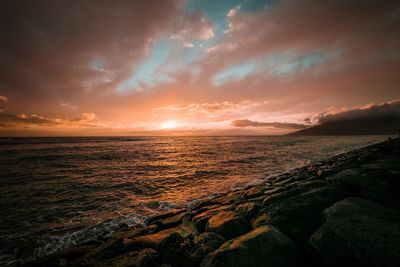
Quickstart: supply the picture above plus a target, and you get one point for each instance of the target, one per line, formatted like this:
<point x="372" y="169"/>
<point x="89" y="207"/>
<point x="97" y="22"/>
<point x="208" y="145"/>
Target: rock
<point x="142" y="258"/>
<point x="200" y="220"/>
<point x="299" y="213"/>
<point x="264" y="246"/>
<point x="263" y="219"/>
<point x="359" y="232"/>
<point x="205" y="243"/>
<point x="381" y="186"/>
<point x="383" y="164"/>
<point x="171" y="221"/>
<point x="164" y="216"/>
<point x="247" y="210"/>
<point x="232" y="198"/>
<point x="129" y="234"/>
<point x="295" y="189"/>
<point x="254" y="192"/>
<point x="155" y="241"/>
<point x="177" y="253"/>
<point x="160" y="239"/>
<point x="350" y="178"/>
<point x="228" y="224"/>
<point x="204" y="204"/>
<point x="274" y="190"/>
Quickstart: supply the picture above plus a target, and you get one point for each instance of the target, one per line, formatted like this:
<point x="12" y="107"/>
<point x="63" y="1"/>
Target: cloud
<point x="281" y="64"/>
<point x="389" y="109"/>
<point x="193" y="27"/>
<point x="9" y="120"/>
<point x="218" y="108"/>
<point x="280" y="125"/>
<point x="188" y="45"/>
<point x="364" y="35"/>
<point x="75" y="46"/>
<point x="233" y="11"/>
<point x="3" y="98"/>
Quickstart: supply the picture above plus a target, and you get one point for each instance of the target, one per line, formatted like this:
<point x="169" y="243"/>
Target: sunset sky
<point x="193" y="66"/>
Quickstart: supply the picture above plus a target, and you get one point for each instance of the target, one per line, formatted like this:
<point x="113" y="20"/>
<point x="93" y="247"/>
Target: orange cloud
<point x="8" y="120"/>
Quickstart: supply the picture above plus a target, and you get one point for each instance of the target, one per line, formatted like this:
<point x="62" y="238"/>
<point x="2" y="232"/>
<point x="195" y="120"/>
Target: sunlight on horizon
<point x="168" y="125"/>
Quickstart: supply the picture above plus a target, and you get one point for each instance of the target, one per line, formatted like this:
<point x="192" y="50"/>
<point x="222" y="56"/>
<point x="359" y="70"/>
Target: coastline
<point x="292" y="219"/>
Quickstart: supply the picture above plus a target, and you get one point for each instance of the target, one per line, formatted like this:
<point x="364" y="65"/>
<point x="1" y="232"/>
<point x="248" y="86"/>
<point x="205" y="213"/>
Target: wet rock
<point x="142" y="258"/>
<point x="233" y="198"/>
<point x="129" y="234"/>
<point x="274" y="190"/>
<point x="254" y="192"/>
<point x="155" y="241"/>
<point x="200" y="220"/>
<point x="262" y="219"/>
<point x="299" y="213"/>
<point x="171" y="221"/>
<point x="264" y="246"/>
<point x="165" y="216"/>
<point x="295" y="189"/>
<point x="160" y="239"/>
<point x="205" y="243"/>
<point x="228" y="224"/>
<point x="359" y="232"/>
<point x="204" y="204"/>
<point x="247" y="210"/>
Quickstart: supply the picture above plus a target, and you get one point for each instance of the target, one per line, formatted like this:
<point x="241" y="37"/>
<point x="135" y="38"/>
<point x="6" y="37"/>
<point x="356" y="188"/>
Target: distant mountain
<point x="375" y="126"/>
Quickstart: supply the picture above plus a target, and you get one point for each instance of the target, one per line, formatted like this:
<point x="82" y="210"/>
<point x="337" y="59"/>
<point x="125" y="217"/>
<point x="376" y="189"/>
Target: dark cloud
<point x="9" y="120"/>
<point x="46" y="46"/>
<point x="386" y="110"/>
<point x="312" y="23"/>
<point x="280" y="125"/>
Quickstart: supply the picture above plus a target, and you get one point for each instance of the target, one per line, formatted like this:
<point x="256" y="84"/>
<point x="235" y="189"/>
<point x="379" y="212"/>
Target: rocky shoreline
<point x="344" y="211"/>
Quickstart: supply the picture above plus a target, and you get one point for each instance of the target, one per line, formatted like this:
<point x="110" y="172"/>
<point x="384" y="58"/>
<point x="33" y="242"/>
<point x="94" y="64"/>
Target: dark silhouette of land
<point x="375" y="126"/>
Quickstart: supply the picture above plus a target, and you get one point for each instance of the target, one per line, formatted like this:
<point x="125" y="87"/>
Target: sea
<point x="59" y="192"/>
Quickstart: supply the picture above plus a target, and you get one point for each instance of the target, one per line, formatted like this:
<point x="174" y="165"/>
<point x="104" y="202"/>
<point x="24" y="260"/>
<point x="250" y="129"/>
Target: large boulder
<point x="298" y="213"/>
<point x="381" y="186"/>
<point x="264" y="246"/>
<point x="359" y="232"/>
<point x="228" y="224"/>
<point x="204" y="244"/>
<point x="200" y="219"/>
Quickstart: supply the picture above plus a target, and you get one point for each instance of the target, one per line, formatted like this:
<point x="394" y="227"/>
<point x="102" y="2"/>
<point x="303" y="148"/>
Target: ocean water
<point x="58" y="192"/>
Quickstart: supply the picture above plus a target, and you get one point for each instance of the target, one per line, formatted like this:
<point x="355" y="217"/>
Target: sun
<point x="168" y="125"/>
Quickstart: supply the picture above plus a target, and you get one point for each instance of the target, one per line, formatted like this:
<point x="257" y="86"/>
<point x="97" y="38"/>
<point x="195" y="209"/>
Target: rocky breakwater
<point x="344" y="211"/>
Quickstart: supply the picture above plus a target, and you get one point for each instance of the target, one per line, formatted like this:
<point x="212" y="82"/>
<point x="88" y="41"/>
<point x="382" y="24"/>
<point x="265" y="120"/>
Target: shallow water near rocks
<point x="58" y="192"/>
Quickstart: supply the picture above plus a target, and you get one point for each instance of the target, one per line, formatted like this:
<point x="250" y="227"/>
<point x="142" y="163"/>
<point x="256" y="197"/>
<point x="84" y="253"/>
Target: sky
<point x="193" y="67"/>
